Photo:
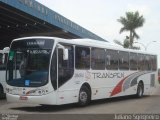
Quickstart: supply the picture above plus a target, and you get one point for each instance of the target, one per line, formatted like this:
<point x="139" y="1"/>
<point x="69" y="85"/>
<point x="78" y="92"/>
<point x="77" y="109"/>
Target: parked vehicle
<point x="55" y="71"/>
<point x="3" y="61"/>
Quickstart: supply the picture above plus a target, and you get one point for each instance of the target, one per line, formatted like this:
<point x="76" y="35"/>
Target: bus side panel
<point x="106" y="84"/>
<point x="101" y="92"/>
<point x="69" y="91"/>
<point x="150" y="82"/>
<point x="67" y="96"/>
<point x="103" y="86"/>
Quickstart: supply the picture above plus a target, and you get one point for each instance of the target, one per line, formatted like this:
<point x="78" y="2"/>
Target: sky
<point x="100" y="17"/>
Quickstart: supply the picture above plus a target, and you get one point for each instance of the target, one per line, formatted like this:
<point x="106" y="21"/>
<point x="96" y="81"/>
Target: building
<point x="21" y="18"/>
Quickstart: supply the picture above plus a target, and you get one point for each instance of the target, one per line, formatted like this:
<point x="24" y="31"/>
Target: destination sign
<point x="33" y="44"/>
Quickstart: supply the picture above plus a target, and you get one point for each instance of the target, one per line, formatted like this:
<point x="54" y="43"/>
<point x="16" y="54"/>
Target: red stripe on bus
<point x="118" y="87"/>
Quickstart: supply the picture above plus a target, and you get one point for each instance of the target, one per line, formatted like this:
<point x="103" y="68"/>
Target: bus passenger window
<point x="141" y="62"/>
<point x="147" y="63"/>
<point x="154" y="62"/>
<point x="112" y="59"/>
<point x="98" y="59"/>
<point x="123" y="60"/>
<point x="133" y="61"/>
<point x="82" y="57"/>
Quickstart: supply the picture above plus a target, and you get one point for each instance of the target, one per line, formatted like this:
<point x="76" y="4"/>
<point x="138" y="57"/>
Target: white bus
<point x="3" y="62"/>
<point x="55" y="71"/>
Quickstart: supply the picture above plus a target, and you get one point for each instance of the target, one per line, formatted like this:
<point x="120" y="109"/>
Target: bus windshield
<point x="28" y="63"/>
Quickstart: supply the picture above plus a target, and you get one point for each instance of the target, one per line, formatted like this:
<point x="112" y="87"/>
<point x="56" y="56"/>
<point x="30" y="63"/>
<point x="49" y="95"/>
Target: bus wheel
<point x="84" y="96"/>
<point x="140" y="90"/>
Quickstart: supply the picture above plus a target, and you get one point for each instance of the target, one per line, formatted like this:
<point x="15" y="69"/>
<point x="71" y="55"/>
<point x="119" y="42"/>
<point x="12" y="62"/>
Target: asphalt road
<point x="122" y="105"/>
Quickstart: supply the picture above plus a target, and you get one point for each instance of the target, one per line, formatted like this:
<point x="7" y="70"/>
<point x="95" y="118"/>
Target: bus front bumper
<point x="49" y="99"/>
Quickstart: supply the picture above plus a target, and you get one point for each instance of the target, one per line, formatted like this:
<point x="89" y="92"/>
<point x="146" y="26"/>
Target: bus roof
<point x="88" y="42"/>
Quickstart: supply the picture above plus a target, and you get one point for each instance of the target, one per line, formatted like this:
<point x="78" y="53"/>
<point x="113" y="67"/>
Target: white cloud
<point x="143" y="9"/>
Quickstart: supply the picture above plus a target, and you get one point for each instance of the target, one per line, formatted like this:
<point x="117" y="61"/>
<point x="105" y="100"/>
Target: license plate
<point x="23" y="98"/>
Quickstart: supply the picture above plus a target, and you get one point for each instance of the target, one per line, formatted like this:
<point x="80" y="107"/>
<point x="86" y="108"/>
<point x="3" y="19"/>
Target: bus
<point x="3" y="61"/>
<point x="56" y="71"/>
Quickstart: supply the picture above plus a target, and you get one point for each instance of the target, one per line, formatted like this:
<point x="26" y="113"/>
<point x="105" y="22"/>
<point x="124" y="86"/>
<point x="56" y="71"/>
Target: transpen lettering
<point x="108" y="75"/>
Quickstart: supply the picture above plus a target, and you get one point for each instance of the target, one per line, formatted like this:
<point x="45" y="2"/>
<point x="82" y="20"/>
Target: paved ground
<point x="126" y="105"/>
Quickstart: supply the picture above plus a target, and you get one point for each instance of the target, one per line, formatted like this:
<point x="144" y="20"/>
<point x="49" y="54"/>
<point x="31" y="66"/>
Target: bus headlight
<point x="8" y="90"/>
<point x="37" y="92"/>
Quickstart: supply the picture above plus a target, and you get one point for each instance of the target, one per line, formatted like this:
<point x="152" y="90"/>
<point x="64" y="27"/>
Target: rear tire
<point x="140" y="90"/>
<point x="84" y="96"/>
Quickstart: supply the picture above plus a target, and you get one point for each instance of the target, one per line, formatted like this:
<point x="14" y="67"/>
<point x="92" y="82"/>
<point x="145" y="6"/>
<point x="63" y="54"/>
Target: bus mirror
<point x="65" y="54"/>
<point x="65" y="51"/>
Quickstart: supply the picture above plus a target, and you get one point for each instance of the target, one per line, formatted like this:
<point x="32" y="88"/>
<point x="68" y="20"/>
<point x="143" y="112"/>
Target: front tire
<point x="140" y="90"/>
<point x="84" y="96"/>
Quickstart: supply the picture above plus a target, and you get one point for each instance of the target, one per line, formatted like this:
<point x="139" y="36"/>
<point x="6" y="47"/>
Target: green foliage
<point x="118" y="42"/>
<point x="126" y="44"/>
<point x="130" y="23"/>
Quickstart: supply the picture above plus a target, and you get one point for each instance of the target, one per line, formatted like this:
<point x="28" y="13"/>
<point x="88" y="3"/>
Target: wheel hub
<point x="83" y="96"/>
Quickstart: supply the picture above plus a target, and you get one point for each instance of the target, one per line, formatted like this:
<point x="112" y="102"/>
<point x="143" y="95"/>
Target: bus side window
<point x="123" y="60"/>
<point x="154" y="62"/>
<point x="65" y="67"/>
<point x="98" y="59"/>
<point x="112" y="59"/>
<point x="147" y="63"/>
<point x="141" y="62"/>
<point x="108" y="60"/>
<point x="82" y="57"/>
<point x="133" y="61"/>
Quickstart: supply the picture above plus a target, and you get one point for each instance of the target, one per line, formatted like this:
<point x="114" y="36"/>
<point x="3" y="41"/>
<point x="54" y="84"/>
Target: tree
<point x="130" y="23"/>
<point x="126" y="43"/>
